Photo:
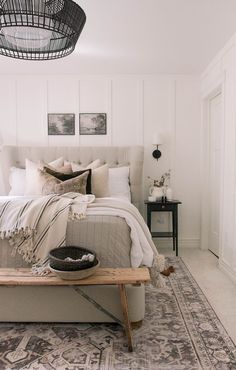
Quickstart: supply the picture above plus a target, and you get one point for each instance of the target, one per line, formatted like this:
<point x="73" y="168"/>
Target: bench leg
<point x="96" y="304"/>
<point x="124" y="305"/>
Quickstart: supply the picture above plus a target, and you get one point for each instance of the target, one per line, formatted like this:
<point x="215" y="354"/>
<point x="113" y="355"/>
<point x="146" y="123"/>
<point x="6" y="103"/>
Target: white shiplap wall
<point x="136" y="107"/>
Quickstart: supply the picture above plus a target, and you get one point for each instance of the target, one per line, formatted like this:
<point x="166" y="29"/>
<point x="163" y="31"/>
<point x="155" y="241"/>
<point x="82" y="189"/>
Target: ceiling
<point x="142" y="36"/>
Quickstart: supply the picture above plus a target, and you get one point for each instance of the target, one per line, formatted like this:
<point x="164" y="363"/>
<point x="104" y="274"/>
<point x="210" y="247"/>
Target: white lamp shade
<point x="157" y="139"/>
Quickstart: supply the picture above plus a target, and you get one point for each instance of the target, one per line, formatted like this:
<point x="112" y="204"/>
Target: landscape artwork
<point x="61" y="124"/>
<point x="92" y="123"/>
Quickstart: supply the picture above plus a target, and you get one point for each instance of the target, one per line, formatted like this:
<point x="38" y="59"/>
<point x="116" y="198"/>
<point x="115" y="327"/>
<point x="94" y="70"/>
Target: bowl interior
<point x="57" y="258"/>
<point x="61" y="269"/>
<point x="72" y="252"/>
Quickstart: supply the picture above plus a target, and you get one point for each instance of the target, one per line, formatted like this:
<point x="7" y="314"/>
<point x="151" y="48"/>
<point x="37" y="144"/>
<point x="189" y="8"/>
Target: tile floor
<point x="216" y="285"/>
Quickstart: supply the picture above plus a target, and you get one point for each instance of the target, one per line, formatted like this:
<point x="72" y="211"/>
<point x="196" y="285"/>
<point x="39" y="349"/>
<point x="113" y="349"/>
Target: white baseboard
<point x="183" y="243"/>
<point x="228" y="270"/>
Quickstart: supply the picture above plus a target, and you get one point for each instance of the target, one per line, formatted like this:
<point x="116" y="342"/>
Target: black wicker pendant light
<point x="39" y="29"/>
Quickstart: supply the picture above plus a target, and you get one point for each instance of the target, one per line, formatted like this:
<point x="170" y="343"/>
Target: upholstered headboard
<point x="113" y="155"/>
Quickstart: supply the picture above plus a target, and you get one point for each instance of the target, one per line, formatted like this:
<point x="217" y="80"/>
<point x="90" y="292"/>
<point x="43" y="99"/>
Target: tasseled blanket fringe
<point x="157" y="266"/>
<point x="21" y="239"/>
<point x="22" y="232"/>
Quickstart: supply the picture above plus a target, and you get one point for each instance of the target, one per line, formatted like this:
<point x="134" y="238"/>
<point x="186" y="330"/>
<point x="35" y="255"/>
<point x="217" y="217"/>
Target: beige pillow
<point x="100" y="181"/>
<point x="92" y="165"/>
<point x="59" y="162"/>
<point x="66" y="168"/>
<point x="34" y="184"/>
<point x="52" y="185"/>
<point x="100" y="177"/>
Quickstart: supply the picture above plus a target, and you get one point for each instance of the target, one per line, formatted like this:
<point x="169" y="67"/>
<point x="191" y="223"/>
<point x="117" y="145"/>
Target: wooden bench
<point x="103" y="276"/>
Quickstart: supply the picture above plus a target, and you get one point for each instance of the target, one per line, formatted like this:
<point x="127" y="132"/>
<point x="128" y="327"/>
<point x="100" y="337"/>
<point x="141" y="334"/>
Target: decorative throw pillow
<point x="100" y="184"/>
<point x="17" y="177"/>
<point x="61" y="175"/>
<point x="33" y="181"/>
<point x="57" y="163"/>
<point x="52" y="185"/>
<point x="66" y="168"/>
<point x="92" y="165"/>
<point x="119" y="182"/>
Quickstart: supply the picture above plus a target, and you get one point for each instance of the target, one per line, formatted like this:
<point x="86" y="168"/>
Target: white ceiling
<point x="143" y="36"/>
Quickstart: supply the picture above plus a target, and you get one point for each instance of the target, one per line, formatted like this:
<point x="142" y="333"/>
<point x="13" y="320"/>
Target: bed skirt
<point x="64" y="304"/>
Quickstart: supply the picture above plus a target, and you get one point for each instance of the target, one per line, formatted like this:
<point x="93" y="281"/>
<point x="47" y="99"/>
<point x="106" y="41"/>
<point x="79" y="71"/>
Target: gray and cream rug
<point x="180" y="332"/>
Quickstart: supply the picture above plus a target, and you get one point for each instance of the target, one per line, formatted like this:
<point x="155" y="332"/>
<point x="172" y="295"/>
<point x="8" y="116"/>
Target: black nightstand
<point x="169" y="206"/>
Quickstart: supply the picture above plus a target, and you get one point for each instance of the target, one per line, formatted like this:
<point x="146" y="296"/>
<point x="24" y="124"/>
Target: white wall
<point x="136" y="107"/>
<point x="222" y="74"/>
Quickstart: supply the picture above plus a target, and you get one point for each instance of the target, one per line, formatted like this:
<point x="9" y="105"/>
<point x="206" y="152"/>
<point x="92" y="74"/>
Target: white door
<point x="215" y="172"/>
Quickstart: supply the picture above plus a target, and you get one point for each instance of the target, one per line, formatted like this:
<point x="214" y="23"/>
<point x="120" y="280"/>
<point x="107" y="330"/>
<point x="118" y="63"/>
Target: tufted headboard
<point x="113" y="155"/>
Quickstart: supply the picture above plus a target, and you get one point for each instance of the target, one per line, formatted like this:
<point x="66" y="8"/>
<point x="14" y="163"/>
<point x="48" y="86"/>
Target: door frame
<point x="205" y="165"/>
<point x="212" y="131"/>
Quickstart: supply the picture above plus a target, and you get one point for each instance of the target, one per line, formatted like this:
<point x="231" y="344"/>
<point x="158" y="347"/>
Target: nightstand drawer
<point x="161" y="207"/>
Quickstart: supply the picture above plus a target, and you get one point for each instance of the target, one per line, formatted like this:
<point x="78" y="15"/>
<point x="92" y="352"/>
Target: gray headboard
<point x="113" y="155"/>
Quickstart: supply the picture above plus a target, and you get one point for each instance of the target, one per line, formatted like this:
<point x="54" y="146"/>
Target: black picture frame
<point x="92" y="123"/>
<point x="61" y="124"/>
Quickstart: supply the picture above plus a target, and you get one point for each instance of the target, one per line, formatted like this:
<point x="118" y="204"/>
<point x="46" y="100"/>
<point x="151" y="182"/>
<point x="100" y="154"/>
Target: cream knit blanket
<point x="143" y="250"/>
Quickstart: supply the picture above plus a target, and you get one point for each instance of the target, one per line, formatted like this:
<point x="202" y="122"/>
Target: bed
<point x="108" y="235"/>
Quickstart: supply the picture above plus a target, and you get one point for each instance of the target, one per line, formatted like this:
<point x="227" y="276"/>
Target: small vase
<point x="156" y="191"/>
<point x="169" y="194"/>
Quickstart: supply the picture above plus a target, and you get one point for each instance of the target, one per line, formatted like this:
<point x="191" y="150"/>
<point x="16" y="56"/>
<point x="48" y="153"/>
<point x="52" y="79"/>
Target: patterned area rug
<point x="180" y="332"/>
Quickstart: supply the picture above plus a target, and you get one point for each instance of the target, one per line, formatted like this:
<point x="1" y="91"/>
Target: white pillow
<point x="77" y="167"/>
<point x="34" y="183"/>
<point x="119" y="183"/>
<point x="100" y="181"/>
<point x="17" y="181"/>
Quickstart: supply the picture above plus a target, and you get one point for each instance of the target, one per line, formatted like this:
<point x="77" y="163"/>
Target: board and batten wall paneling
<point x="8" y="127"/>
<point x="63" y="97"/>
<point x="31" y="111"/>
<point x="157" y="118"/>
<point x="187" y="154"/>
<point x="127" y="122"/>
<point x="137" y="106"/>
<point x="95" y="98"/>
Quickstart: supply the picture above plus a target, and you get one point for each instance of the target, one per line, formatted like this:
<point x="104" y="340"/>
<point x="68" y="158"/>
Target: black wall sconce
<point x="157" y="140"/>
<point x="156" y="153"/>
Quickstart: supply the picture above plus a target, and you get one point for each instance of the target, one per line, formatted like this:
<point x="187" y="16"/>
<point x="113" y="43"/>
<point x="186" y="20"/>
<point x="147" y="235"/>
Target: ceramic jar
<point x="156" y="191"/>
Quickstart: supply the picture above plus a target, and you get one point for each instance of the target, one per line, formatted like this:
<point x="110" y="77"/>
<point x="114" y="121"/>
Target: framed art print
<point x="61" y="124"/>
<point x="92" y="123"/>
